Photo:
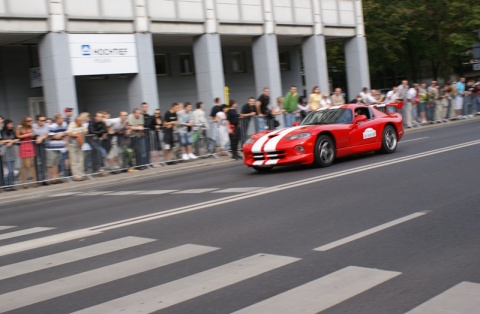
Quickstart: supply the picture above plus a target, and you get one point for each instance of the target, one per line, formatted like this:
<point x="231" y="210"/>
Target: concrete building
<point x="115" y="54"/>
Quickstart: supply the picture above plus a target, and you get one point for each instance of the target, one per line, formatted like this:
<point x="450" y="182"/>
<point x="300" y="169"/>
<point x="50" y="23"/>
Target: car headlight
<point x="298" y="136"/>
<point x="250" y="141"/>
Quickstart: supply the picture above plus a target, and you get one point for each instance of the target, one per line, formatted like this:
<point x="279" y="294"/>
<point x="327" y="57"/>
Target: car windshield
<point x="328" y="116"/>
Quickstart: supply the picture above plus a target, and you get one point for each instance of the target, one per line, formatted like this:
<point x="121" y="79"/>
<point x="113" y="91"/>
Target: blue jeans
<point x="261" y="123"/>
<point x="185" y="139"/>
<point x="289" y="119"/>
<point x="10" y="166"/>
<point x="140" y="149"/>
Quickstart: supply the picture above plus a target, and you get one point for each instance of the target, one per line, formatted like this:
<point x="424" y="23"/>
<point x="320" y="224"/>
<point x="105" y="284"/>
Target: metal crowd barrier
<point x="114" y="154"/>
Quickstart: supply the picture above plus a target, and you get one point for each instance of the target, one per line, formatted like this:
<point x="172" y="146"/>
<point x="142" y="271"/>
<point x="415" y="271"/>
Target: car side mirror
<point x="360" y="118"/>
<point x="296" y="123"/>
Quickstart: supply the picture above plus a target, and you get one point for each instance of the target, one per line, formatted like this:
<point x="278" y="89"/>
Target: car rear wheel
<point x="262" y="169"/>
<point x="389" y="140"/>
<point x="324" y="151"/>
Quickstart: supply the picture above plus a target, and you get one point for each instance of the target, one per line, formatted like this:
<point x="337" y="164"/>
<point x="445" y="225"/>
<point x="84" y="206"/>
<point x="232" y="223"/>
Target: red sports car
<point x="326" y="134"/>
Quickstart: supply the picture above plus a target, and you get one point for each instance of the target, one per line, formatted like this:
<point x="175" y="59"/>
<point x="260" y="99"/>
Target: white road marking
<point x="6" y="227"/>
<point x="155" y="192"/>
<point x="52" y="289"/>
<point x="323" y="293"/>
<point x="195" y="191"/>
<point x="464" y="298"/>
<point x="274" y="189"/>
<point x="45" y="241"/>
<point x="20" y="233"/>
<point x="64" y="194"/>
<point x="237" y="190"/>
<point x="91" y="193"/>
<point x="74" y="255"/>
<point x="415" y="139"/>
<point x="368" y="232"/>
<point x="166" y="295"/>
<point x="124" y="193"/>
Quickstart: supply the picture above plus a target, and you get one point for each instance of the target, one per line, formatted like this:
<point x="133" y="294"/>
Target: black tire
<point x="324" y="151"/>
<point x="262" y="169"/>
<point x="389" y="140"/>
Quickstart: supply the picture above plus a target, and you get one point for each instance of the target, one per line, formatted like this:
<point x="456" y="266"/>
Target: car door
<point x="365" y="133"/>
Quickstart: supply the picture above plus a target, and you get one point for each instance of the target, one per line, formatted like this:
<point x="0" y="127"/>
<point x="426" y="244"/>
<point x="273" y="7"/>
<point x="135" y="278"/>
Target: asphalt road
<point x="371" y="234"/>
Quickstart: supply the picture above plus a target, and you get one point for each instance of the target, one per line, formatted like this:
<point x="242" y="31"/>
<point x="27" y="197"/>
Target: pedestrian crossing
<point x="315" y="296"/>
<point x="157" y="192"/>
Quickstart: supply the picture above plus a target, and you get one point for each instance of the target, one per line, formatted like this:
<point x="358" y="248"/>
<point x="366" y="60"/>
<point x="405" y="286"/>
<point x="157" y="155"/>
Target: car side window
<point x="346" y="116"/>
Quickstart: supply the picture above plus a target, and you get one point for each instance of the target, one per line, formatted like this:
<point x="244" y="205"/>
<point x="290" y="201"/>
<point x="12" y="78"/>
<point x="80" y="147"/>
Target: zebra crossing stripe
<point x="5" y="227"/>
<point x="463" y="298"/>
<point x="323" y="293"/>
<point x="45" y="262"/>
<point x="23" y="232"/>
<point x="49" y="240"/>
<point x="166" y="295"/>
<point x="52" y="289"/>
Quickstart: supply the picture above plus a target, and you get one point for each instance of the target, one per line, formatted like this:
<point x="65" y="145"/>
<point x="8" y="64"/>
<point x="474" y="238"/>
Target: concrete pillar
<point x="315" y="63"/>
<point x="58" y="81"/>
<point x="209" y="69"/>
<point x="143" y="85"/>
<point x="356" y="59"/>
<point x="266" y="65"/>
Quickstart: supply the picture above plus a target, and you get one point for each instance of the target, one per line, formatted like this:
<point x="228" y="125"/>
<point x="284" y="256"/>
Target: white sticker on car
<point x="369" y="133"/>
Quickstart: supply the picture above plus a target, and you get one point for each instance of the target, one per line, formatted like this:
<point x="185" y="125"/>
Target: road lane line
<point x="20" y="233"/>
<point x="463" y="298"/>
<point x="124" y="193"/>
<point x="6" y="227"/>
<point x="368" y="232"/>
<point x="92" y="193"/>
<point x="415" y="139"/>
<point x="64" y="194"/>
<point x="155" y="192"/>
<point x="70" y="256"/>
<point x="238" y="190"/>
<point x="45" y="241"/>
<point x="323" y="293"/>
<point x="52" y="289"/>
<point x="195" y="191"/>
<point x="274" y="189"/>
<point x="166" y="295"/>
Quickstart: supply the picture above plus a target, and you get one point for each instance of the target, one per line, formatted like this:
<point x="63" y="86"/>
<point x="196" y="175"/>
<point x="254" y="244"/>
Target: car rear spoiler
<point x="390" y="107"/>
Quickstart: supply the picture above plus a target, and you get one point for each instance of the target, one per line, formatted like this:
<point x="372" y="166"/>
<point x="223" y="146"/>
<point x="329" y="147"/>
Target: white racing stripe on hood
<point x="271" y="146"/>
<point x="257" y="147"/>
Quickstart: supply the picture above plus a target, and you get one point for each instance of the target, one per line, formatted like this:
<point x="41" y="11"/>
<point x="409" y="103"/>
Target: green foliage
<point x="404" y="34"/>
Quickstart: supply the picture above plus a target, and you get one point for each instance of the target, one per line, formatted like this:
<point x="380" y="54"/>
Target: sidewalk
<point x="97" y="182"/>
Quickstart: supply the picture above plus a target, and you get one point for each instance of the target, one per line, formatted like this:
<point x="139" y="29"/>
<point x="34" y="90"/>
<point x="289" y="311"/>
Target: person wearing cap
<point x="68" y="115"/>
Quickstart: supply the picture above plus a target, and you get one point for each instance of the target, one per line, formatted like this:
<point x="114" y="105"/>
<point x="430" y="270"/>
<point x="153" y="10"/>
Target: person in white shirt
<point x="408" y="106"/>
<point x="116" y="127"/>
<point x="223" y="126"/>
<point x="325" y="102"/>
<point x="392" y="95"/>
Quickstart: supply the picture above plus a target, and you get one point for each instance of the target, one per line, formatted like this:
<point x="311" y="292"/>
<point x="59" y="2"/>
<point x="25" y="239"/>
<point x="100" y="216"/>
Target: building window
<point x="284" y="60"/>
<point x="238" y="62"/>
<point x="186" y="64"/>
<point x="162" y="67"/>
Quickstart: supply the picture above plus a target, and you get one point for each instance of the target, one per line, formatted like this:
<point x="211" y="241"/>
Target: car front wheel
<point x="389" y="140"/>
<point x="324" y="151"/>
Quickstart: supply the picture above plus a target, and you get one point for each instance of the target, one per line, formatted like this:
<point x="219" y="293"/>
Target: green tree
<point x="406" y="34"/>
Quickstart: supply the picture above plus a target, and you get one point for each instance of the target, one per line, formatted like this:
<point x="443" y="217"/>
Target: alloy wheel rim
<point x="326" y="151"/>
<point x="390" y="139"/>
